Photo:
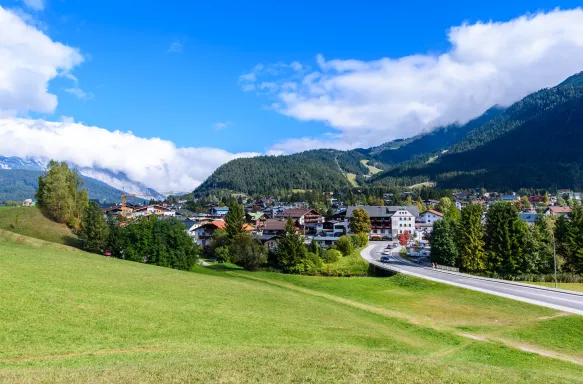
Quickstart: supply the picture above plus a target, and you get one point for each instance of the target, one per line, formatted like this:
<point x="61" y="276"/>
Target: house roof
<point x="528" y="216"/>
<point x="152" y="206"/>
<point x="434" y="212"/>
<point x="555" y="209"/>
<point x="274" y="225"/>
<point x="296" y="212"/>
<point x="255" y="215"/>
<point x="221" y="209"/>
<point x="535" y="199"/>
<point x="383" y="211"/>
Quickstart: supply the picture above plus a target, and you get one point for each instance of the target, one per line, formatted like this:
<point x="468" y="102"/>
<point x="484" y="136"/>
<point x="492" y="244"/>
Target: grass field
<point x="352" y="179"/>
<point x="31" y="222"/>
<point x="68" y="316"/>
<point x="372" y="169"/>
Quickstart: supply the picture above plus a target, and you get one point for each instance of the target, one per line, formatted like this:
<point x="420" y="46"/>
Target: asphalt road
<point x="562" y="300"/>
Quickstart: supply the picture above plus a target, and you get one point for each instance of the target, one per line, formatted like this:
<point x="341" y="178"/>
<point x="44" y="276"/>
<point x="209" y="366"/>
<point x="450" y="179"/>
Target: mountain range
<point x="534" y="143"/>
<point x="19" y="180"/>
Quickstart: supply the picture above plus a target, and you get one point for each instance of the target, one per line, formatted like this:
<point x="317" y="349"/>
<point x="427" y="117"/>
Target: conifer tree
<point x="471" y="239"/>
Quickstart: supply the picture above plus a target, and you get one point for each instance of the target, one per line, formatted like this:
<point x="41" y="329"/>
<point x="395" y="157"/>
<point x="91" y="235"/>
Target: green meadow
<point x="69" y="316"/>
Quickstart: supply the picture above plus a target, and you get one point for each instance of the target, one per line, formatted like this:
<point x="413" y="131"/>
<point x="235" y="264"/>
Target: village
<point x="266" y="217"/>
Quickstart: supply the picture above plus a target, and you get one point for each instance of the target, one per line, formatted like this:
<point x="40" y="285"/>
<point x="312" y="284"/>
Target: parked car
<point x="385" y="259"/>
<point x="108" y="253"/>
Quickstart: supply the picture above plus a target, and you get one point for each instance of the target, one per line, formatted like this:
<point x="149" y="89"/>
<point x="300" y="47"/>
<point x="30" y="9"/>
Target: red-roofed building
<point x="204" y="234"/>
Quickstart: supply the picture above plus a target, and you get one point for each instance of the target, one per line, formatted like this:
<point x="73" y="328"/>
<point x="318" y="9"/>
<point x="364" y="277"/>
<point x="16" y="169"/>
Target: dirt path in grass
<point x="394" y="314"/>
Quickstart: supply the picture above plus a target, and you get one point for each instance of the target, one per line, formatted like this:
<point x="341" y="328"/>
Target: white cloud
<point x="370" y="102"/>
<point x="28" y="61"/>
<point x="79" y="93"/>
<point x="248" y="77"/>
<point x="156" y="163"/>
<point x="37" y="5"/>
<point x="221" y="125"/>
<point x="248" y="87"/>
<point x="175" y="47"/>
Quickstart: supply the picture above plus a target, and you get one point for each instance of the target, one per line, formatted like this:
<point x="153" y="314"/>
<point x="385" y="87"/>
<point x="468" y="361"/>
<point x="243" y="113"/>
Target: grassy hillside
<point x="31" y="222"/>
<point x="68" y="316"/>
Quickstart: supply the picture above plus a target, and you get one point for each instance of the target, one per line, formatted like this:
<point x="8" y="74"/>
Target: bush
<point x="363" y="239"/>
<point x="332" y="256"/>
<point x="313" y="262"/>
<point x="222" y="254"/>
<point x="345" y="246"/>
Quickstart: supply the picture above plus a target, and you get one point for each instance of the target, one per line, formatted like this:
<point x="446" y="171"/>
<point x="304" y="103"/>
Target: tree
<point x="345" y="245"/>
<point x="359" y="222"/>
<point x="546" y="199"/>
<point x="332" y="256"/>
<point x="234" y="220"/>
<point x="524" y="202"/>
<point x="247" y="252"/>
<point x="59" y="194"/>
<point x="443" y="243"/>
<point x="505" y="239"/>
<point x="94" y="231"/>
<point x="445" y="205"/>
<point x="538" y="248"/>
<point x="291" y="253"/>
<point x="573" y="240"/>
<point x="471" y="239"/>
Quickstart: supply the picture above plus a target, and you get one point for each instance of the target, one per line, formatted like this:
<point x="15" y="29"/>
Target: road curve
<point x="567" y="301"/>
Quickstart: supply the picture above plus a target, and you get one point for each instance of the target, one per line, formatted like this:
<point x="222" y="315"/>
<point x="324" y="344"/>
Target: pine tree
<point x="291" y="252"/>
<point x="505" y="239"/>
<point x="471" y="239"/>
<point x="94" y="231"/>
<point x="443" y="243"/>
<point x="235" y="220"/>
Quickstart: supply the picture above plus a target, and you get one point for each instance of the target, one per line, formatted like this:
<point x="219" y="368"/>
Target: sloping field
<point x="68" y="316"/>
<point x="30" y="221"/>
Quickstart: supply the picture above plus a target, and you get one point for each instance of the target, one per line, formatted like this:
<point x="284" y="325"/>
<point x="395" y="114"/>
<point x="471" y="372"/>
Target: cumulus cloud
<point x="495" y="63"/>
<point x="37" y="5"/>
<point x="28" y="61"/>
<point x="154" y="162"/>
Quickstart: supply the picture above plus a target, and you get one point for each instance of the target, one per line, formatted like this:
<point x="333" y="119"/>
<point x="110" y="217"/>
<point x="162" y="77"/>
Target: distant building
<point x="558" y="211"/>
<point x="309" y="219"/>
<point x="27" y="203"/>
<point x="388" y="222"/>
<point x="219" y="211"/>
<point x="528" y="217"/>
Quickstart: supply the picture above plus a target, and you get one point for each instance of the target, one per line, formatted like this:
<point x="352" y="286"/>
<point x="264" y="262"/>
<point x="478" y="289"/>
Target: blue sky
<point x="215" y="81"/>
<point x="138" y="85"/>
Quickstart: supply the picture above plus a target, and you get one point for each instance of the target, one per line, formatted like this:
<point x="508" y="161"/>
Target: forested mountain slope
<point x="428" y="143"/>
<point x="537" y="142"/>
<point x="322" y="169"/>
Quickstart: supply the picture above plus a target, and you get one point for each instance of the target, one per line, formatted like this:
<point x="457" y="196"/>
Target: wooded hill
<point x="535" y="143"/>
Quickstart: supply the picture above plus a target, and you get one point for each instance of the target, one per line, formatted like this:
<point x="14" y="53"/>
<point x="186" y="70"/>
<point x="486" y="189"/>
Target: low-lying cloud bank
<point x="156" y="163"/>
<point x="371" y="102"/>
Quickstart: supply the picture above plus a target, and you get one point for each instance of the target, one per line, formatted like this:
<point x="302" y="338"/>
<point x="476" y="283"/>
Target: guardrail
<point x="446" y="268"/>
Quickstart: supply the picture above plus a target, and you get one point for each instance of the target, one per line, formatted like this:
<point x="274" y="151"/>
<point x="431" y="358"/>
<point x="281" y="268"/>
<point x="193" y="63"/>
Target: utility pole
<point x="555" y="257"/>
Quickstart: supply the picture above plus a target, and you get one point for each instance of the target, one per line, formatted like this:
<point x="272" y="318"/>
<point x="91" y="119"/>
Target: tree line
<point x="502" y="245"/>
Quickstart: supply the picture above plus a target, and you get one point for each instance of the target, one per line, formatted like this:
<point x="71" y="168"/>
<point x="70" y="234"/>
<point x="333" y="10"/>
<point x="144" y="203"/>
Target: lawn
<point x="69" y="316"/>
<point x="30" y="221"/>
<point x="352" y="179"/>
<point x="371" y="168"/>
